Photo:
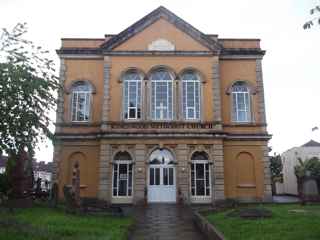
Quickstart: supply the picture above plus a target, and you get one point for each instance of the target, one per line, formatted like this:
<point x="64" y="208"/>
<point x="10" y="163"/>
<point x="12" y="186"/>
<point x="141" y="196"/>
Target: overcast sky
<point x="291" y="65"/>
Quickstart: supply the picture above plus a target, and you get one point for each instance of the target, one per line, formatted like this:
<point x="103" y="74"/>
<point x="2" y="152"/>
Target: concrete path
<point x="164" y="222"/>
<point x="285" y="199"/>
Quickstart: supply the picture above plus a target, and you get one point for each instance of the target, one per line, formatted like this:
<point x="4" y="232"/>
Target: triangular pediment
<point x="175" y="33"/>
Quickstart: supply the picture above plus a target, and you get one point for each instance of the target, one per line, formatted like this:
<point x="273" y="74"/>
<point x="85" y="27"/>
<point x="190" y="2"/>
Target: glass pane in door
<point x="165" y="176"/>
<point x="151" y="176"/>
<point x="157" y="181"/>
<point x="170" y="176"/>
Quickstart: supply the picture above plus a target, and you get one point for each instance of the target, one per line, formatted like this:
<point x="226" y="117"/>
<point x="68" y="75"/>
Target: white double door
<point x="161" y="183"/>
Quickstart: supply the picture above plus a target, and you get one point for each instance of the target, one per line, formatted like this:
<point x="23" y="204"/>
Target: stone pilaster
<point x="56" y="161"/>
<point x="182" y="172"/>
<point x="106" y="91"/>
<point x="218" y="172"/>
<point x="216" y="91"/>
<point x="267" y="174"/>
<point x="261" y="104"/>
<point x="60" y="100"/>
<point x="105" y="173"/>
<point x="140" y="173"/>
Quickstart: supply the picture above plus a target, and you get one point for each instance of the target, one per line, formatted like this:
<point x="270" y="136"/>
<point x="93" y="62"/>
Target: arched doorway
<point x="161" y="177"/>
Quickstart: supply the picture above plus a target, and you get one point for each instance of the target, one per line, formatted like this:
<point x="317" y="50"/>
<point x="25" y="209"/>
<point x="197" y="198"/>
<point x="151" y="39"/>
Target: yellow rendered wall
<point x="233" y="70"/>
<point x="243" y="177"/>
<point x="87" y="154"/>
<point x="90" y="70"/>
<point x="164" y="30"/>
<point x="120" y="64"/>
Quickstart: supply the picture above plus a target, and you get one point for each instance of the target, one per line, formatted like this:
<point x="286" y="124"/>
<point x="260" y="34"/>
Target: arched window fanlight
<point x="161" y="156"/>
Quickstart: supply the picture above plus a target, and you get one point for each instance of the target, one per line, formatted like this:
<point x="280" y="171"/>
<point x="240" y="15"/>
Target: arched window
<point x="132" y="95"/>
<point x="200" y="175"/>
<point x="81" y="101"/>
<point x="122" y="175"/>
<point x="241" y="109"/>
<point x="191" y="96"/>
<point x="161" y="95"/>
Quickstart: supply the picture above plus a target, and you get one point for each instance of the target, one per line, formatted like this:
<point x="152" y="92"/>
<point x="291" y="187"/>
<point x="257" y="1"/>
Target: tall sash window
<point x="161" y="95"/>
<point x="80" y="104"/>
<point x="191" y="96"/>
<point x="241" y="109"/>
<point x="132" y="96"/>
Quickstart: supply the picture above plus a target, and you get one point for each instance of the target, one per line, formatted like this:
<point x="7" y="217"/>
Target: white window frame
<point x="185" y="100"/>
<point x="202" y="162"/>
<point x="247" y="106"/>
<point x="87" y="104"/>
<point x="153" y="96"/>
<point x="138" y="99"/>
<point x="119" y="162"/>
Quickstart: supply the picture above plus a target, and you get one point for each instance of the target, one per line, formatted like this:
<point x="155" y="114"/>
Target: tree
<point x="28" y="87"/>
<point x="276" y="168"/>
<point x="308" y="168"/>
<point x="315" y="12"/>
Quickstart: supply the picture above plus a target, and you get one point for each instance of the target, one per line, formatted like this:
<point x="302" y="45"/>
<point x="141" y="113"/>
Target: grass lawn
<point x="40" y="223"/>
<point x="283" y="225"/>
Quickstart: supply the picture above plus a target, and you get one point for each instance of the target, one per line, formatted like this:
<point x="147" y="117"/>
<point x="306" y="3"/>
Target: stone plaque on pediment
<point x="161" y="45"/>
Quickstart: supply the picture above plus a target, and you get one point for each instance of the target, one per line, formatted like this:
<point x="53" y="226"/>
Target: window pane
<point x="130" y="180"/>
<point x="207" y="191"/>
<point x="74" y="106"/>
<point x="165" y="176"/>
<point x="151" y="180"/>
<point x="157" y="182"/>
<point x="122" y="187"/>
<point x="207" y="166"/>
<point x="200" y="171"/>
<point x="200" y="187"/>
<point x="132" y="113"/>
<point x="170" y="176"/>
<point x="115" y="176"/>
<point x="123" y="178"/>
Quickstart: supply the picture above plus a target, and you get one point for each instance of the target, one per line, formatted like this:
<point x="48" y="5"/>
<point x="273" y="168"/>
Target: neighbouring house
<point x="162" y="112"/>
<point x="41" y="170"/>
<point x="290" y="160"/>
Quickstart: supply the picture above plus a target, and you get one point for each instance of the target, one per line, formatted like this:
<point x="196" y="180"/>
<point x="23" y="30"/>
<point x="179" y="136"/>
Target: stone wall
<point x="105" y="172"/>
<point x="140" y="176"/>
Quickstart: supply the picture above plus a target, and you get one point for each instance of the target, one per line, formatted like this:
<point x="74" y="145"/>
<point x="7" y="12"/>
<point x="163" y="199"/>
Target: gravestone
<point x="310" y="187"/>
<point x="309" y="190"/>
<point x="54" y="195"/>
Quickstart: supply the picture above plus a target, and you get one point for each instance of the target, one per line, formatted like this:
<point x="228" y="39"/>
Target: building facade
<point x="162" y="112"/>
<point x="290" y="159"/>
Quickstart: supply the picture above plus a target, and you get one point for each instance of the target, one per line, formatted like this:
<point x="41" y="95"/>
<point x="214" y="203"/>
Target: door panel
<point x="162" y="187"/>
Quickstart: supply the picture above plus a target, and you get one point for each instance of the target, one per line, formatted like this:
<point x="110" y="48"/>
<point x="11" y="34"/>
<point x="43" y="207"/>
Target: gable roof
<point x="311" y="143"/>
<point x="162" y="12"/>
